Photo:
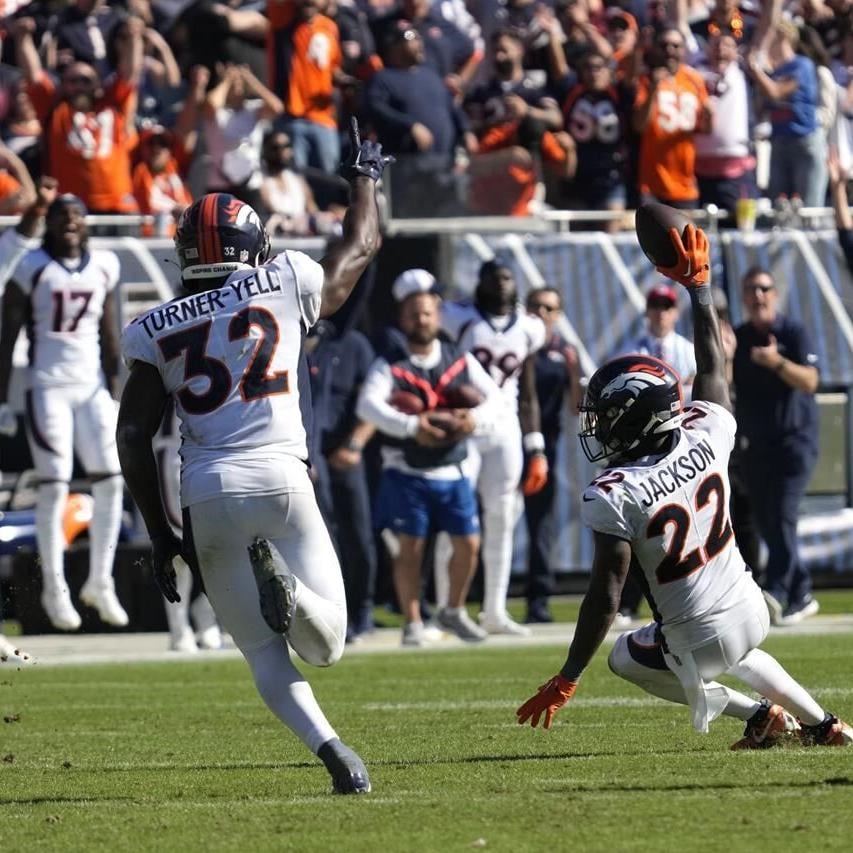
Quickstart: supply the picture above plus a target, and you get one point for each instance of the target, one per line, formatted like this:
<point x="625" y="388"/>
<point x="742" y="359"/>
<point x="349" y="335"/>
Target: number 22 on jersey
<point x="256" y="380"/>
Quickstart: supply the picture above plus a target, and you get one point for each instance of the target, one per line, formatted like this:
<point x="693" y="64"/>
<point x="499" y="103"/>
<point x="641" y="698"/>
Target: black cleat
<point x="276" y="585"/>
<point x="349" y="775"/>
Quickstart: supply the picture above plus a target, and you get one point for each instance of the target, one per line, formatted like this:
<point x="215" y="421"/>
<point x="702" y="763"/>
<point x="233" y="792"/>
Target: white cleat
<point x="11" y="655"/>
<point x="503" y="624"/>
<point x="210" y="638"/>
<point x="105" y="601"/>
<point x="183" y="642"/>
<point x="57" y="604"/>
<point x="418" y="634"/>
<point x="208" y="635"/>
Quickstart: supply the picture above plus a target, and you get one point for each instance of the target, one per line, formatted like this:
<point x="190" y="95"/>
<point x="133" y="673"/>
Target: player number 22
<point x="256" y="380"/>
<point x="676" y="564"/>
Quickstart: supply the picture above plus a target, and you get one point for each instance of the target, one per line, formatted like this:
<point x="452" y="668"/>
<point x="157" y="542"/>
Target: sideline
<point x="117" y="648"/>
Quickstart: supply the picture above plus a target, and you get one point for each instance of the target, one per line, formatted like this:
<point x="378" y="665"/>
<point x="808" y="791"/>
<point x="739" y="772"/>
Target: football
<point x="653" y="223"/>
<point x="463" y="396"/>
<point x="406" y="401"/>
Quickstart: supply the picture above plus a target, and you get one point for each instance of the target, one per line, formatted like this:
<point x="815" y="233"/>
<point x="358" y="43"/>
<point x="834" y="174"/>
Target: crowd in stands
<point x="499" y="107"/>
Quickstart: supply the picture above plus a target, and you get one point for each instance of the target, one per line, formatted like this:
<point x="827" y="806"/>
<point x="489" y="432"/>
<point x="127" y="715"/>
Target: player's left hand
<point x="692" y="269"/>
<point x="550" y="698"/>
<point x="163" y="550"/>
<point x="365" y="158"/>
<point x="536" y="476"/>
<point x="8" y="420"/>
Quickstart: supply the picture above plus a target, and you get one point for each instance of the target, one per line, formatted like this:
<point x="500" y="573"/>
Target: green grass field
<point x="184" y="756"/>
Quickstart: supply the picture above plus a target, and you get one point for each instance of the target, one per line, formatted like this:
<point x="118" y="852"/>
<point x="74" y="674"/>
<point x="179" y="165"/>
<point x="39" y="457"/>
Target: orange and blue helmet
<point x="217" y="235"/>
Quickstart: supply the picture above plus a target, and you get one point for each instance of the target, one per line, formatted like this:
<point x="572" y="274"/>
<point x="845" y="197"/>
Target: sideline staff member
<point x="776" y="376"/>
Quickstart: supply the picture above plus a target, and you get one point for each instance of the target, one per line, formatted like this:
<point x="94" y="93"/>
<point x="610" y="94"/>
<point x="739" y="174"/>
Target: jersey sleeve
<point x="13" y="251"/>
<point x="309" y="284"/>
<point x="704" y="416"/>
<point x="603" y="509"/>
<point x="803" y="351"/>
<point x="136" y="345"/>
<point x="536" y="333"/>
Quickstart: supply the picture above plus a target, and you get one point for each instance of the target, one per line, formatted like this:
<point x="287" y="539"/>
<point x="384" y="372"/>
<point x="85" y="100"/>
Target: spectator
<point x="597" y="113"/>
<point x="286" y="195"/>
<point x="776" y="376"/>
<point x="414" y="115"/>
<point x="21" y="126"/>
<point x="812" y="47"/>
<point x="557" y="384"/>
<point x="726" y="16"/>
<point x="660" y="338"/>
<point x="423" y="486"/>
<point x="236" y="109"/>
<point x="725" y="166"/>
<point x="797" y="142"/>
<point x="670" y="107"/>
<point x="157" y="183"/>
<point x="514" y="118"/>
<point x="65" y="293"/>
<point x="307" y="58"/>
<point x="447" y="50"/>
<point x="622" y="33"/>
<point x="82" y="31"/>
<point x="17" y="191"/>
<point x="338" y="365"/>
<point x="88" y="130"/>
<point x="581" y="37"/>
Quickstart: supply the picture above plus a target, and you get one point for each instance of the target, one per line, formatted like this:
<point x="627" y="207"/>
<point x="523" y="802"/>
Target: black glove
<point x="365" y="158"/>
<point x="163" y="549"/>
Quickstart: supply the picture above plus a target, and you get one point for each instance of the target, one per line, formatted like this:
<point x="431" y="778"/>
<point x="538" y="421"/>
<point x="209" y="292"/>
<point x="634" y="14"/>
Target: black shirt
<point x="553" y="381"/>
<point x="770" y="413"/>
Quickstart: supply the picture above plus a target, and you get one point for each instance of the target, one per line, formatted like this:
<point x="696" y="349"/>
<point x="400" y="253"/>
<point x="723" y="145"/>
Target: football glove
<point x="550" y="698"/>
<point x="536" y="476"/>
<point x="163" y="550"/>
<point x="693" y="266"/>
<point x="8" y="421"/>
<point x="365" y="158"/>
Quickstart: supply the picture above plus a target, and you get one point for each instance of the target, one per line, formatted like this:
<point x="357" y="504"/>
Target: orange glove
<point x="536" y="476"/>
<point x="694" y="258"/>
<point x="550" y="698"/>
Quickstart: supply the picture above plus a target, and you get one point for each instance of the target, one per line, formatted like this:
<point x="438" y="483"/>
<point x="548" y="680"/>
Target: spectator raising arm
<point x="22" y="196"/>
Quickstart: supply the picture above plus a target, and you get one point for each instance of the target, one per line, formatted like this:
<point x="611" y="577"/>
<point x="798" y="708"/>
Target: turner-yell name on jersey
<point x="259" y="283"/>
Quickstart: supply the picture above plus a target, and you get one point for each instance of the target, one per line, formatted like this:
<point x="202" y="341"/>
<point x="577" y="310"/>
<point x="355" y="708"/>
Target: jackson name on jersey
<point x="229" y="357"/>
<point x="673" y="509"/>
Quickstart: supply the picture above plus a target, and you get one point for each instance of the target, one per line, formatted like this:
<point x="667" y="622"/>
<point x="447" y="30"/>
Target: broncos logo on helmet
<point x="631" y="402"/>
<point x="217" y="235"/>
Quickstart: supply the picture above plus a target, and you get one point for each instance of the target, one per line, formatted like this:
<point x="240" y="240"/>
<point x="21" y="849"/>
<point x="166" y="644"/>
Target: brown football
<point x="652" y="225"/>
<point x="463" y="396"/>
<point x="406" y="401"/>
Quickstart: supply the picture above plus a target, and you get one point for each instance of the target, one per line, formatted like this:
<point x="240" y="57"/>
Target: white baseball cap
<point x="413" y="281"/>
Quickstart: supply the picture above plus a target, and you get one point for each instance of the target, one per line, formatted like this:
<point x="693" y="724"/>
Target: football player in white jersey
<point x="63" y="291"/>
<point x="229" y="354"/>
<point x="664" y="496"/>
<point x="504" y="338"/>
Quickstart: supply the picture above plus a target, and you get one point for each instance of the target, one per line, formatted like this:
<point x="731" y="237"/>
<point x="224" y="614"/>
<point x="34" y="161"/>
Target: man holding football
<point x="664" y="497"/>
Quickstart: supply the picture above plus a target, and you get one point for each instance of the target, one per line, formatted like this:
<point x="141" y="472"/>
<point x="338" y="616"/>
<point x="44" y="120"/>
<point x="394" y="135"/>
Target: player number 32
<point x="256" y="381"/>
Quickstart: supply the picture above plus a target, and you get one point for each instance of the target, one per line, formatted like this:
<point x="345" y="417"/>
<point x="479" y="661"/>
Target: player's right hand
<point x="365" y="158"/>
<point x="693" y="266"/>
<point x="8" y="421"/>
<point x="551" y="697"/>
<point x="163" y="550"/>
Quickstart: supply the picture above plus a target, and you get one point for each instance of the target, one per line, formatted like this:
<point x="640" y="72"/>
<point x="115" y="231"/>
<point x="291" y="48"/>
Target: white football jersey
<point x="500" y="348"/>
<point x="229" y="357"/>
<point x="66" y="305"/>
<point x="674" y="510"/>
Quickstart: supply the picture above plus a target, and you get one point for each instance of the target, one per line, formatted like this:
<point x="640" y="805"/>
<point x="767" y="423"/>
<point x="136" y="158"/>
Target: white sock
<point x="764" y="674"/>
<point x="441" y="568"/>
<point x="318" y="629"/>
<point x="104" y="529"/>
<point x="665" y="685"/>
<point x="499" y="516"/>
<point x="50" y="537"/>
<point x="287" y="694"/>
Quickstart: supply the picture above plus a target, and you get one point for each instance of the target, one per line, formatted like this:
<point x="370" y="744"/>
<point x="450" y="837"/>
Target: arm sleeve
<point x="13" y="247"/>
<point x="373" y="404"/>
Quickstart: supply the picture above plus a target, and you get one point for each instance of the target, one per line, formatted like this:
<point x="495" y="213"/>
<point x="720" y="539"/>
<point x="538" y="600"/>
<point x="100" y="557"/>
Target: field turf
<point x="184" y="756"/>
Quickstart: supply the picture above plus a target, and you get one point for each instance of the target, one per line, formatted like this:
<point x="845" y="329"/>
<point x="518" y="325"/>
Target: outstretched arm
<point x="347" y="260"/>
<point x="693" y="271"/>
